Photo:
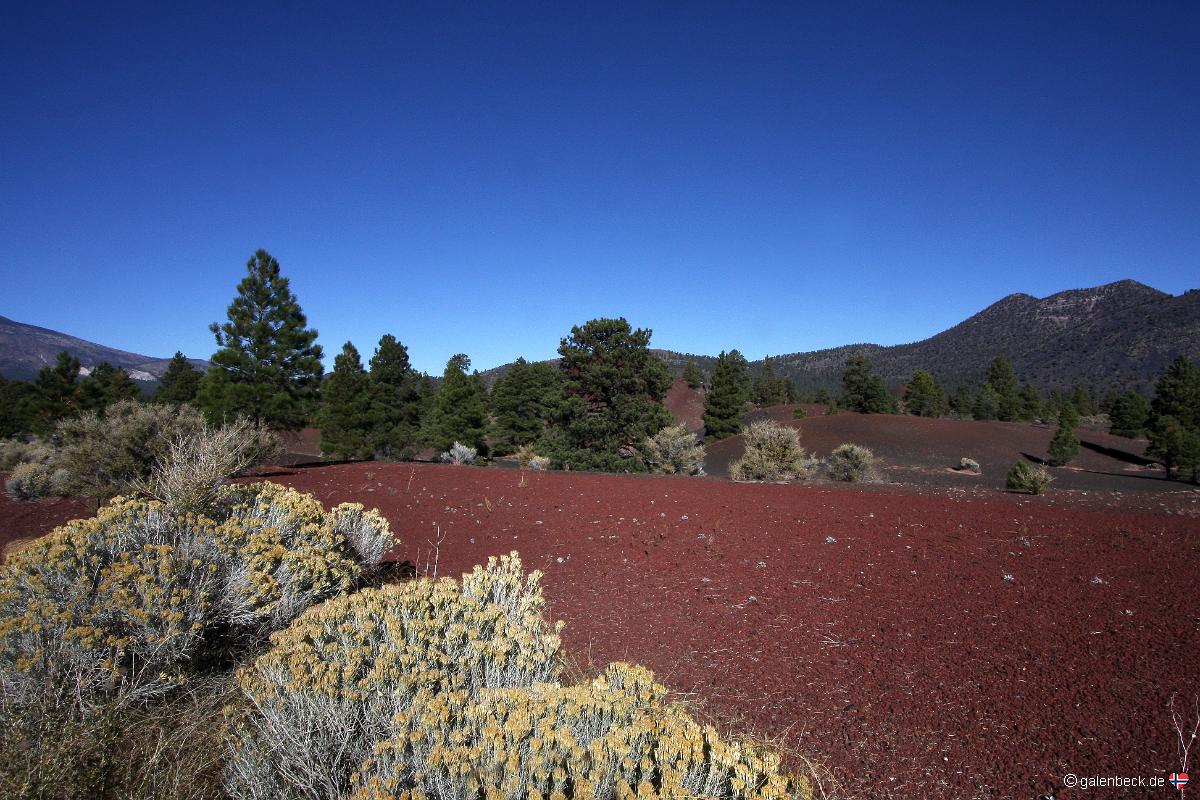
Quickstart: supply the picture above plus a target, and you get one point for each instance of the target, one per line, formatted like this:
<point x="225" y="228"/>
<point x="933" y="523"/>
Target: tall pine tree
<point x="693" y="375"/>
<point x="1065" y="444"/>
<point x="865" y="392"/>
<point x="57" y="394"/>
<point x="396" y="400"/>
<point x="345" y="416"/>
<point x="726" y="399"/>
<point x="924" y="396"/>
<point x="1175" y="417"/>
<point x="106" y="385"/>
<point x="524" y="402"/>
<point x="613" y="390"/>
<point x="179" y="383"/>
<point x="268" y="366"/>
<point x="1003" y="380"/>
<point x="458" y="412"/>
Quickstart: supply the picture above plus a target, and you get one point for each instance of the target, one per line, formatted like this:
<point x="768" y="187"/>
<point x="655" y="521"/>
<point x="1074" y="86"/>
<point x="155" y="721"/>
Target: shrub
<point x="30" y="481"/>
<point x="969" y="465"/>
<point x="773" y="453"/>
<point x="16" y="451"/>
<point x="539" y="463"/>
<point x="119" y="605"/>
<point x="330" y="686"/>
<point x="852" y="462"/>
<point x="196" y="462"/>
<point x="459" y="454"/>
<point x="106" y="455"/>
<point x="799" y="413"/>
<point x="675" y="450"/>
<point x="432" y="690"/>
<point x="1025" y="478"/>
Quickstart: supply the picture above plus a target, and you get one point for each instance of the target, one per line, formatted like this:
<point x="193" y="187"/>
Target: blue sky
<point x="479" y="177"/>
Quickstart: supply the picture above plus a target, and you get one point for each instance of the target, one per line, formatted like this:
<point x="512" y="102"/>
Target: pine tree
<point x="1175" y="416"/>
<point x="268" y="366"/>
<point x="925" y="397"/>
<point x="1065" y="444"/>
<point x="726" y="399"/>
<point x="613" y="391"/>
<point x="396" y="400"/>
<point x="865" y="392"/>
<point x="18" y="406"/>
<point x="693" y="375"/>
<point x="769" y="388"/>
<point x="1030" y="403"/>
<point x="57" y="394"/>
<point x="962" y="402"/>
<point x="1129" y="415"/>
<point x="1082" y="401"/>
<point x="1003" y="379"/>
<point x="106" y="385"/>
<point x="524" y="402"/>
<point x="459" y="411"/>
<point x="179" y="383"/>
<point x="987" y="403"/>
<point x="345" y="416"/>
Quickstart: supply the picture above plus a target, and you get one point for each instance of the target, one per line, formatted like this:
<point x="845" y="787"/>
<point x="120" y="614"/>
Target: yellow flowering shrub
<point x="121" y="603"/>
<point x="431" y="690"/>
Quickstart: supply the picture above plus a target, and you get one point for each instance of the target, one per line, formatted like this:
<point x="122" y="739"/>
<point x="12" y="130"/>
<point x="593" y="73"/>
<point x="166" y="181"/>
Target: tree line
<point x="592" y="410"/>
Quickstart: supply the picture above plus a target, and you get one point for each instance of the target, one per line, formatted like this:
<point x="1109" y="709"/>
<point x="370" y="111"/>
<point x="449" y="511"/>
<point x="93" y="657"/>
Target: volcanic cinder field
<point x="931" y="638"/>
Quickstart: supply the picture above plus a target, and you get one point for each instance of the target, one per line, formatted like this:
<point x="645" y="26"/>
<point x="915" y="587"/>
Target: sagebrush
<point x="851" y="462"/>
<point x="674" y="450"/>
<point x="1023" y="477"/>
<point x="773" y="453"/>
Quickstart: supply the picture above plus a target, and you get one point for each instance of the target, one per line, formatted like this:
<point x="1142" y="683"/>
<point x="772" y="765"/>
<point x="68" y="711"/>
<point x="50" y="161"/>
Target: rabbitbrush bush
<point x="773" y="453"/>
<point x="460" y="454"/>
<point x="1025" y="478"/>
<point x="436" y="691"/>
<point x="31" y="480"/>
<point x="119" y="605"/>
<point x="675" y="450"/>
<point x="851" y="462"/>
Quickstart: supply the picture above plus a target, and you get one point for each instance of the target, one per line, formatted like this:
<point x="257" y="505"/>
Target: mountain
<point x="1121" y="335"/>
<point x="25" y="349"/>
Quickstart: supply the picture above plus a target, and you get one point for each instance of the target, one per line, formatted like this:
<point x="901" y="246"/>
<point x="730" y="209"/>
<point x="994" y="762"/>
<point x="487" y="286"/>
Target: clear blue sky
<point x="480" y="177"/>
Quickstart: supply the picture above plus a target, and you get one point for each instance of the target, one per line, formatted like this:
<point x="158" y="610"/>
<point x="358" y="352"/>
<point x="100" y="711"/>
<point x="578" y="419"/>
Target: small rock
<point x="752" y="599"/>
<point x="1096" y="581"/>
<point x="1009" y="578"/>
<point x="706" y="580"/>
<point x="830" y="540"/>
<point x="684" y="516"/>
<point x="762" y="565"/>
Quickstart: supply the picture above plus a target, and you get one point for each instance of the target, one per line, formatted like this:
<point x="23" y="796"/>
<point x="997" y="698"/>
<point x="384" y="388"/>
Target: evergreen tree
<point x="962" y="402"/>
<point x="179" y="383"/>
<point x="693" y="375"/>
<point x="791" y="392"/>
<point x="769" y="388"/>
<point x="822" y="397"/>
<point x="925" y="396"/>
<point x="104" y="386"/>
<point x="1175" y="421"/>
<point x="268" y="366"/>
<point x="1082" y="402"/>
<point x="57" y="394"/>
<point x="18" y="406"/>
<point x="458" y="412"/>
<point x="345" y="416"/>
<point x="1003" y="379"/>
<point x="396" y="400"/>
<point x="1065" y="444"/>
<point x="865" y="391"/>
<point x="1129" y="414"/>
<point x="987" y="403"/>
<point x="613" y="391"/>
<point x="726" y="399"/>
<point x="525" y="401"/>
<point x="1030" y="403"/>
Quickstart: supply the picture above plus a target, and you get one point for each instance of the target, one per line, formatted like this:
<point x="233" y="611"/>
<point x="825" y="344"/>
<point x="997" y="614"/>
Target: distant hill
<point x="25" y="349"/>
<point x="1119" y="335"/>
